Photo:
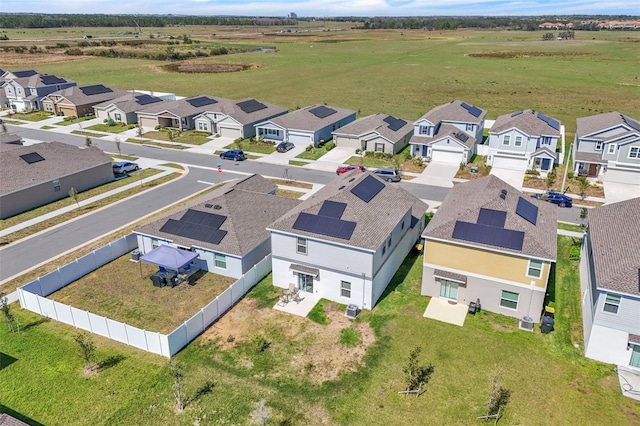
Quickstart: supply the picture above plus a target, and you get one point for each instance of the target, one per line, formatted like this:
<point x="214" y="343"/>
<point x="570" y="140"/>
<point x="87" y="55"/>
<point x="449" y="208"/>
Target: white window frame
<point x="48" y="107"/>
<point x="272" y="132"/>
<point x="425" y="130"/>
<point x="611" y="149"/>
<point x="117" y="116"/>
<point x="470" y="127"/>
<point x="518" y="141"/>
<point x="379" y="147"/>
<point x="598" y="146"/>
<point x="634" y="152"/>
<point x="56" y="185"/>
<point x="301" y="245"/>
<point x="155" y="243"/>
<point x="531" y="267"/>
<point x="220" y="260"/>
<point x="613" y="301"/>
<point x="345" y="289"/>
<point x="507" y="300"/>
<point x="506" y="140"/>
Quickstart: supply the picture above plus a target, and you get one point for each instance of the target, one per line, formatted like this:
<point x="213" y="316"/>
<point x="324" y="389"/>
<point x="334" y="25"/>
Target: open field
<point x="550" y="382"/>
<point x="403" y="73"/>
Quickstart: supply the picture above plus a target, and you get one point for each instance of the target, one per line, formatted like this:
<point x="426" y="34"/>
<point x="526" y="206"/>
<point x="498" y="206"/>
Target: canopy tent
<point x="169" y="257"/>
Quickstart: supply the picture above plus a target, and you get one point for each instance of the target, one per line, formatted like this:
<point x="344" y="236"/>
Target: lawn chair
<point x="286" y="298"/>
<point x="294" y="293"/>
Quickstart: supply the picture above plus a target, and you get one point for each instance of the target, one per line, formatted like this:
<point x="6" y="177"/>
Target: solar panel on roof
<point x="550" y="121"/>
<point x="516" y="113"/>
<point x="332" y="209"/>
<point x="96" y="89"/>
<point x="473" y="110"/>
<point x="462" y="136"/>
<point x="201" y="101"/>
<point x="193" y="231"/>
<point x="32" y="157"/>
<point x="25" y="73"/>
<point x="147" y="99"/>
<point x="367" y="188"/>
<point x="250" y="106"/>
<point x="322" y="111"/>
<point x="526" y="210"/>
<point x="630" y="122"/>
<point x="394" y="124"/>
<point x="52" y="79"/>
<point x="492" y="217"/>
<point x="490" y="235"/>
<point x="324" y="225"/>
<point x="203" y="218"/>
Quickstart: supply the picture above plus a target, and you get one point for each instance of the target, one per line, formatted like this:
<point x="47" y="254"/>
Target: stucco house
<point x="310" y="125"/>
<point x="376" y="133"/>
<point x="33" y="175"/>
<point x="24" y="90"/>
<point x="123" y="108"/>
<point x="226" y="228"/>
<point x="610" y="284"/>
<point x="236" y="119"/>
<point x="607" y="147"/>
<point x="448" y="133"/>
<point x="491" y="243"/>
<point x="78" y="101"/>
<point x="178" y="114"/>
<point x="525" y="140"/>
<point x="346" y="241"/>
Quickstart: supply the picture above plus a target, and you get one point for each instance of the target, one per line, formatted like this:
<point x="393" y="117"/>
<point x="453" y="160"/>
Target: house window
<point x="345" y="289"/>
<point x="384" y="249"/>
<point x="48" y="107"/>
<point x="634" y="152"/>
<point x="117" y="117"/>
<point x="389" y="242"/>
<point x="518" y="141"/>
<point x="56" y="185"/>
<point x="599" y="146"/>
<point x="220" y="261"/>
<point x="611" y="303"/>
<point x="301" y="245"/>
<point x="273" y="132"/>
<point x="402" y="225"/>
<point x="379" y="147"/>
<point x="154" y="243"/>
<point x="470" y="127"/>
<point x="425" y="130"/>
<point x="506" y="140"/>
<point x="509" y="300"/>
<point x="202" y="127"/>
<point x="611" y="149"/>
<point x="535" y="268"/>
<point x="635" y="356"/>
<point x="545" y="140"/>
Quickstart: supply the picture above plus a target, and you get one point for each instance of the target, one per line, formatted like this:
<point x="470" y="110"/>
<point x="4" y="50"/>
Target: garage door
<point x="148" y="122"/>
<point x="230" y="132"/>
<point x="68" y="111"/>
<point x="622" y="176"/>
<point x="299" y="139"/>
<point x="446" y="156"/>
<point x="518" y="164"/>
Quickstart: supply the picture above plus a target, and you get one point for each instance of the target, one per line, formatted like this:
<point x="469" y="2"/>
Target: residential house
<point x="307" y="126"/>
<point x="236" y="119"/>
<point x="178" y="114"/>
<point x="33" y="175"/>
<point x="123" y="108"/>
<point x="525" y="140"/>
<point x="226" y="228"/>
<point x="78" y="101"/>
<point x="25" y="89"/>
<point x="610" y="284"/>
<point x="376" y="133"/>
<point x="4" y="101"/>
<point x="448" y="133"/>
<point x="490" y="243"/>
<point x="346" y="241"/>
<point x="607" y="146"/>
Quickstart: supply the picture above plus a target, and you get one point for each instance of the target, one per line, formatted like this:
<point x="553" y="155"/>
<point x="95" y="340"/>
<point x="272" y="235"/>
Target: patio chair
<point x="294" y="293"/>
<point x="286" y="298"/>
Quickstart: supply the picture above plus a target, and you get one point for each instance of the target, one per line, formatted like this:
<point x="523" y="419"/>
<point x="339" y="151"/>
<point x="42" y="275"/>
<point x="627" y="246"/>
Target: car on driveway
<point x="285" y="146"/>
<point x="233" y="154"/>
<point x="345" y="169"/>
<point x="556" y="198"/>
<point x="390" y="175"/>
<point x="123" y="167"/>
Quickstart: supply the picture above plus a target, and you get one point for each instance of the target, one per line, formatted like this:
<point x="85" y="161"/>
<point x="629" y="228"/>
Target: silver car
<point x="390" y="175"/>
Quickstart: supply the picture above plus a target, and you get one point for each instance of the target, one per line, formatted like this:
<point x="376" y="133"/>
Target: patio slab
<point x="629" y="381"/>
<point x="300" y="308"/>
<point x="445" y="311"/>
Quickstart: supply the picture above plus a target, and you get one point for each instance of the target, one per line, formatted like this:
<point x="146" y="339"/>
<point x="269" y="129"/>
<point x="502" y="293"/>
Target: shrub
<point x="570" y="175"/>
<point x="73" y="52"/>
<point x="157" y="128"/>
<point x="574" y="253"/>
<point x="110" y="122"/>
<point x="261" y="344"/>
<point x="309" y="147"/>
<point x="368" y="154"/>
<point x="330" y="145"/>
<point x="350" y="337"/>
<point x="237" y="140"/>
<point x="358" y="151"/>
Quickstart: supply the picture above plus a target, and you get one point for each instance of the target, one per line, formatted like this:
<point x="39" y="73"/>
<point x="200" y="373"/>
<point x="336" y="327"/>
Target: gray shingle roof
<point x="60" y="159"/>
<point x="128" y="103"/>
<point x="76" y="96"/>
<point x="443" y="131"/>
<point x="248" y="213"/>
<point x="454" y="111"/>
<point x="614" y="230"/>
<point x="302" y="119"/>
<point x="35" y="80"/>
<point x="590" y="157"/>
<point x="594" y="123"/>
<point x="528" y="122"/>
<point x="181" y="107"/>
<point x="7" y="420"/>
<point x="374" y="220"/>
<point x="466" y="199"/>
<point x="231" y="108"/>
<point x="375" y="123"/>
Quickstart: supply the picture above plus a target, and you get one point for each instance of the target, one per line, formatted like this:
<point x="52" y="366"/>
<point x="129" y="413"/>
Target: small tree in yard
<point x="416" y="375"/>
<point x="73" y="193"/>
<point x="498" y="399"/>
<point x="176" y="371"/>
<point x="551" y="179"/>
<point x="87" y="141"/>
<point x="584" y="185"/>
<point x="6" y="311"/>
<point x="87" y="349"/>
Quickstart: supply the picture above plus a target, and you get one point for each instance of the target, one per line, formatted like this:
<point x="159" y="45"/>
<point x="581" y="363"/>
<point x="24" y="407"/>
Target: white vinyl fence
<point x="33" y="297"/>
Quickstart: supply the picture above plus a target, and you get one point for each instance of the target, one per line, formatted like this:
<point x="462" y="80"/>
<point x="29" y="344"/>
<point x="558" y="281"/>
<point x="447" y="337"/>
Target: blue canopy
<point x="169" y="257"/>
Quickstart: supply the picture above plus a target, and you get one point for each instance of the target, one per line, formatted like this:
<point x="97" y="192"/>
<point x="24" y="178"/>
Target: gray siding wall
<point x="250" y="259"/>
<point x="628" y="316"/>
<point x="623" y="153"/>
<point x="588" y="146"/>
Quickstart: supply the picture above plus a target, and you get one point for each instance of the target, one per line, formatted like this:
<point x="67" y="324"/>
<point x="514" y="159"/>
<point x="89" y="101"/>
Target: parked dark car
<point x="285" y="146"/>
<point x="344" y="169"/>
<point x="390" y="175"/>
<point x="124" y="167"/>
<point x="233" y="154"/>
<point x="556" y="198"/>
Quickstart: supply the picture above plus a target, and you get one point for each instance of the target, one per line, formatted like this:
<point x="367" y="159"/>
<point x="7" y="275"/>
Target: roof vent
<point x="217" y="207"/>
<point x="352" y="179"/>
<point x="341" y="188"/>
<point x="208" y="205"/>
<point x="503" y="194"/>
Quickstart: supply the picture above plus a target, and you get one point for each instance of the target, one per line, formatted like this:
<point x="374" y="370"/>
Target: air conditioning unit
<point x="352" y="311"/>
<point x="526" y="323"/>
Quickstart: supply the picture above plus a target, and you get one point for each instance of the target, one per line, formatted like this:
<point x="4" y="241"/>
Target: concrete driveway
<point x="281" y="157"/>
<point x="438" y="174"/>
<point x="514" y="178"/>
<point x="614" y="192"/>
<point x="332" y="159"/>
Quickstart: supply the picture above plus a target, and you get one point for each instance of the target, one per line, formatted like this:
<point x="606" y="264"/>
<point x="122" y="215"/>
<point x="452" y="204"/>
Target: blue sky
<point x="328" y="8"/>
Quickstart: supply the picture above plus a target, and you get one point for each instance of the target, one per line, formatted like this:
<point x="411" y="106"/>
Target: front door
<point x="305" y="282"/>
<point x="448" y="290"/>
<point x="593" y="170"/>
<point x="546" y="164"/>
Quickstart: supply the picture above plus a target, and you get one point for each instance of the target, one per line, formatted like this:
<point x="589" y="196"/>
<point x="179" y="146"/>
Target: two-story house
<point x="376" y="133"/>
<point x="610" y="284"/>
<point x="448" y="133"/>
<point x="24" y="90"/>
<point x="525" y="140"/>
<point x="490" y="243"/>
<point x="607" y="146"/>
<point x="346" y="241"/>
<point x="78" y="101"/>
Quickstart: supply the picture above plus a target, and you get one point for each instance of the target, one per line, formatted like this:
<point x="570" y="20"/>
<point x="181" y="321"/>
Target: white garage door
<point x="622" y="176"/>
<point x="299" y="139"/>
<point x="446" y="156"/>
<point x="148" y="122"/>
<point x="518" y="164"/>
<point x="230" y="132"/>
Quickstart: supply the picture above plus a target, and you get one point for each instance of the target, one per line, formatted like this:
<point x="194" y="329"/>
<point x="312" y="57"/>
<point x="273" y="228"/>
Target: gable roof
<point x="305" y="119"/>
<point x="184" y="107"/>
<point x="595" y="123"/>
<point x="464" y="201"/>
<point x="614" y="230"/>
<point x="446" y="130"/>
<point x="39" y="80"/>
<point x="374" y="221"/>
<point x="16" y="173"/>
<point x="456" y="110"/>
<point x="246" y="111"/>
<point x="248" y="207"/>
<point x="531" y="122"/>
<point x="91" y="94"/>
<point x="391" y="129"/>
<point x="131" y="102"/>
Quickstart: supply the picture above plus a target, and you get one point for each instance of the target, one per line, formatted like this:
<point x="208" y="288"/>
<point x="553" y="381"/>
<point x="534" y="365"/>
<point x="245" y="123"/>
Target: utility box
<point x="135" y="255"/>
<point x="352" y="311"/>
<point x="526" y="323"/>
